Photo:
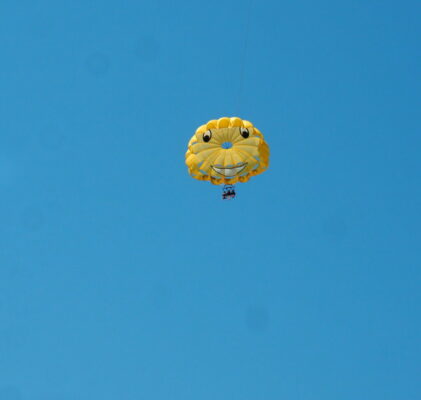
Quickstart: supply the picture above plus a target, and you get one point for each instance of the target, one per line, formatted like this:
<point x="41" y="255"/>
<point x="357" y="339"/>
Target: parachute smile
<point x="229" y="171"/>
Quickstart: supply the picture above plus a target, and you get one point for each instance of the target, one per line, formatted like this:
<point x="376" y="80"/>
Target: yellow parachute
<point x="227" y="151"/>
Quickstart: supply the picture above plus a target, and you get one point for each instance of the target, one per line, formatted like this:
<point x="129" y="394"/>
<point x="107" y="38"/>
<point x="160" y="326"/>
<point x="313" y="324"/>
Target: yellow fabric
<point x="207" y="160"/>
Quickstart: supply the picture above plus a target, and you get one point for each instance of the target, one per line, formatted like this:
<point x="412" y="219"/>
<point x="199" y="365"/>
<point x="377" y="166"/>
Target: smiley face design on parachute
<point x="226" y="151"/>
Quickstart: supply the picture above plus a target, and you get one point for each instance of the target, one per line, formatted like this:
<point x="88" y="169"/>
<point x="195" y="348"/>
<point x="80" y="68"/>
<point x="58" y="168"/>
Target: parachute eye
<point x="244" y="133"/>
<point x="207" y="136"/>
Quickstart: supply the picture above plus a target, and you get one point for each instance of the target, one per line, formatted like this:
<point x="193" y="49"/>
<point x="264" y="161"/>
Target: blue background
<point x="123" y="278"/>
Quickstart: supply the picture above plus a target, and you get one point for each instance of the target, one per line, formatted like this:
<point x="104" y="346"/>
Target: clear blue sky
<point x="123" y="278"/>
